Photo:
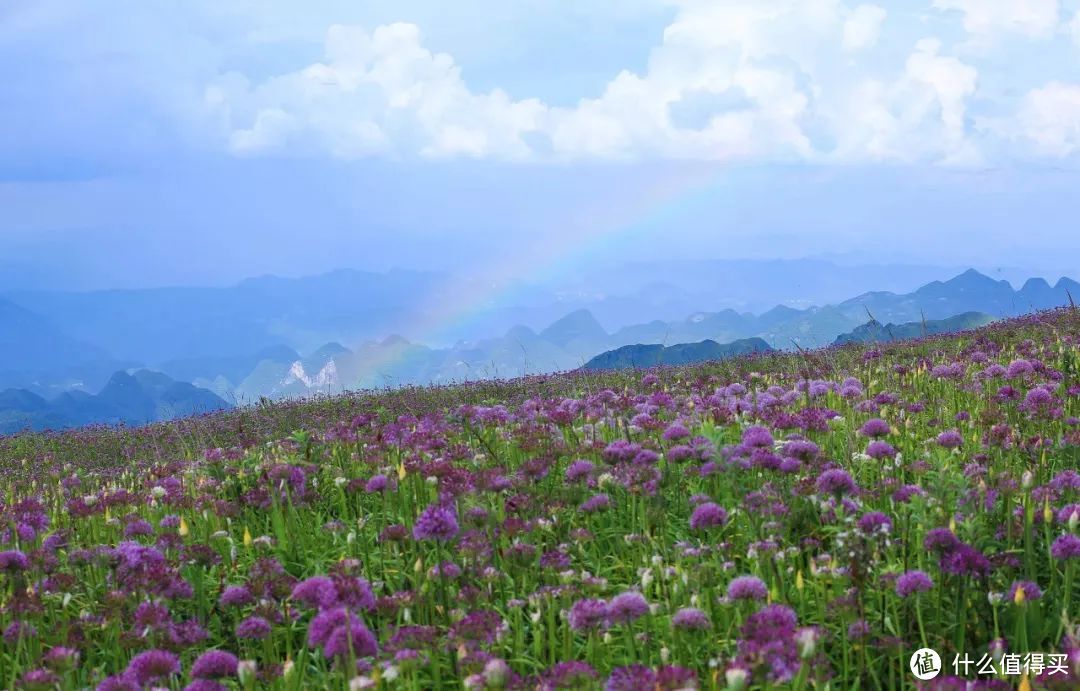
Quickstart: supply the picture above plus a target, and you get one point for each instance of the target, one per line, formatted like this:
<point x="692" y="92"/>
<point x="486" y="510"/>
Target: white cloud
<point x="919" y="115"/>
<point x="1049" y="117"/>
<point x="1074" y="28"/>
<point x="711" y="48"/>
<point x="373" y="92"/>
<point x="984" y="18"/>
<point x="384" y="92"/>
<point x="863" y="26"/>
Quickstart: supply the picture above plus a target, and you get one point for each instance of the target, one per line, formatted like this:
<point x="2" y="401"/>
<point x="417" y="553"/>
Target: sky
<point x="169" y="142"/>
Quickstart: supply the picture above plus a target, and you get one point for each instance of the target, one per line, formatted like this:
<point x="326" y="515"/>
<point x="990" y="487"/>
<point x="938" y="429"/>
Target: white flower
<point x="245" y="670"/>
<point x="496" y="671"/>
<point x="736" y="678"/>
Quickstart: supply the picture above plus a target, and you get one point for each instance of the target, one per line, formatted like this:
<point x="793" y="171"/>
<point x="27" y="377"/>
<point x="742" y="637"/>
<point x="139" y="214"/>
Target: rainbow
<point x="587" y="234"/>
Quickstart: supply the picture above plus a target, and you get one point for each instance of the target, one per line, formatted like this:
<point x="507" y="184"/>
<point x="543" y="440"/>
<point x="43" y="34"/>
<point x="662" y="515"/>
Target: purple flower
<point x="138" y="528"/>
<point x="691" y="619"/>
<point x="447" y="569"/>
<point x="770" y="639"/>
<point x="965" y="560"/>
<point x="626" y="607"/>
<point x="1067" y="512"/>
<point x="578" y="470"/>
<point x="1038" y="400"/>
<point x="437" y="522"/>
<point x="757" y="437"/>
<point x="317" y="592"/>
<point x="770" y="622"/>
<point x="571" y="674"/>
<point x="708" y="515"/>
<point x="874" y="522"/>
<point x="254" y="628"/>
<point x="587" y="614"/>
<point x="19" y="629"/>
<point x="377" y="483"/>
<point x="880" y="449"/>
<point x="235" y="596"/>
<point x="633" y="678"/>
<point x="1066" y="547"/>
<point x="1019" y="368"/>
<point x="39" y="679"/>
<point x="875" y="427"/>
<point x="675" y="432"/>
<point x="61" y="658"/>
<point x="940" y="540"/>
<point x="905" y="493"/>
<point x="214" y="664"/>
<point x="119" y="682"/>
<point x="597" y="502"/>
<point x="950" y="439"/>
<point x="206" y="685"/>
<point x="1032" y="591"/>
<point x="801" y="449"/>
<point x="13" y="561"/>
<point x="747" y="588"/>
<point x="913" y="582"/>
<point x="326" y="622"/>
<point x="858" y="630"/>
<point x="483" y="626"/>
<point x="153" y="665"/>
<point x="354" y="638"/>
<point x="835" y="481"/>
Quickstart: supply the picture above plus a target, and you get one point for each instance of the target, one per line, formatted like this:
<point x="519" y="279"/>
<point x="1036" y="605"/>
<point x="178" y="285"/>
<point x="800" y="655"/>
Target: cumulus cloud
<point x="730" y="80"/>
<point x="919" y="115"/>
<point x="1049" y="117"/>
<point x="863" y="26"/>
<point x="371" y="93"/>
<point x="984" y="18"/>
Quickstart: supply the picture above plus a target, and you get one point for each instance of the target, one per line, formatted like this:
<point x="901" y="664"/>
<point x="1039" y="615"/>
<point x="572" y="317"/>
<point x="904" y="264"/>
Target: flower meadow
<point x="801" y="520"/>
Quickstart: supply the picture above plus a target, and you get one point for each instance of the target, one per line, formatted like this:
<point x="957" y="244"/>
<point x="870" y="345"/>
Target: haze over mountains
<point x="130" y="399"/>
<point x="277" y="338"/>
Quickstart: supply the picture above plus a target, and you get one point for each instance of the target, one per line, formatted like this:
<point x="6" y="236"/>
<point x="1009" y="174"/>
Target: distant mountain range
<point x="874" y="331"/>
<point x="281" y="338"/>
<point x="644" y="356"/>
<point x="132" y="399"/>
<point x="575" y="339"/>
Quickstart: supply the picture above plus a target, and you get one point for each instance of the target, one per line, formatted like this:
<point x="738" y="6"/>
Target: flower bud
<point x="245" y="670"/>
<point x="807" y="640"/>
<point x="496" y="672"/>
<point x="736" y="678"/>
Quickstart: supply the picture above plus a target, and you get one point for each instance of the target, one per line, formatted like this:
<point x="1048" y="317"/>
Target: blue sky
<point x="148" y="143"/>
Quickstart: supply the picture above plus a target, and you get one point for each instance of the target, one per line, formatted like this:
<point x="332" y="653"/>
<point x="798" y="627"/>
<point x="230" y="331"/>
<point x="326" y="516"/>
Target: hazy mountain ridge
<point x="874" y="331"/>
<point x="134" y="399"/>
<point x="641" y="356"/>
<point x="278" y="370"/>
